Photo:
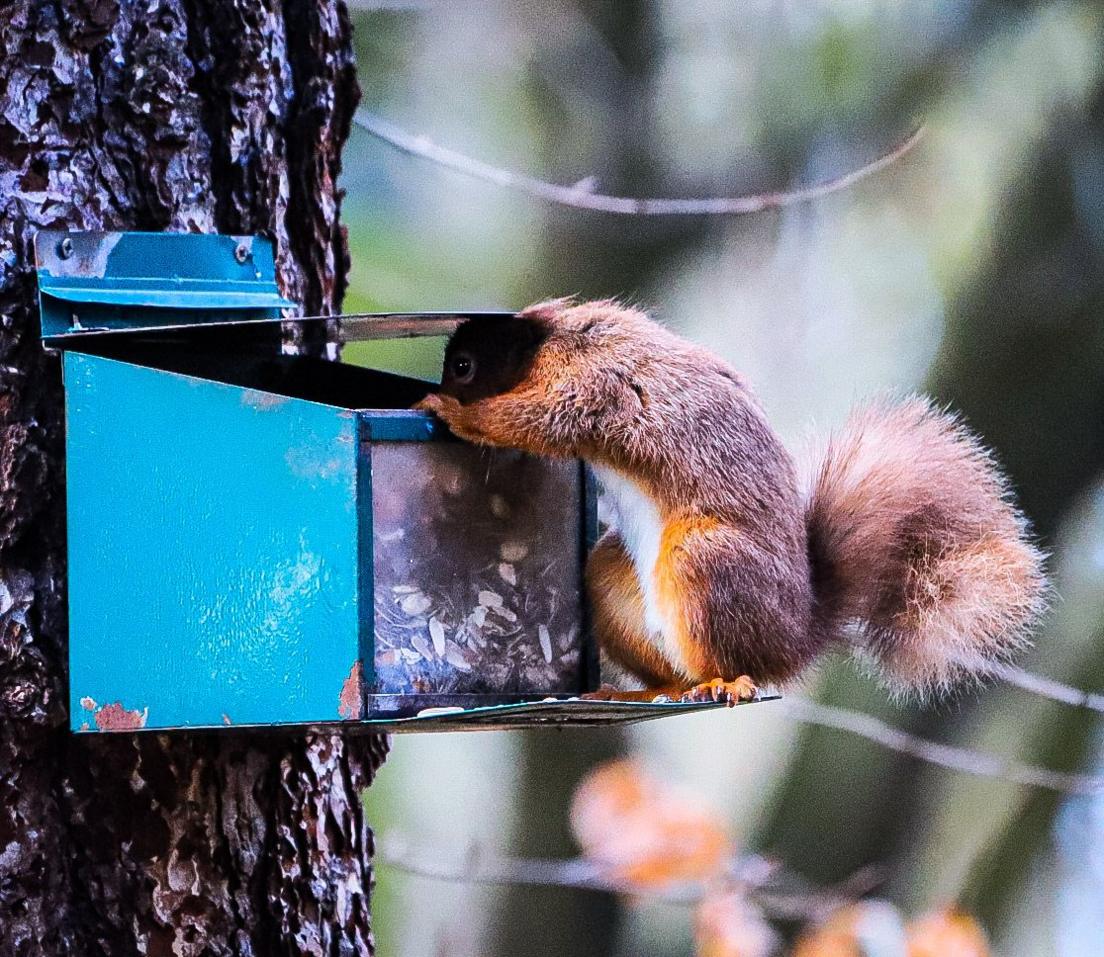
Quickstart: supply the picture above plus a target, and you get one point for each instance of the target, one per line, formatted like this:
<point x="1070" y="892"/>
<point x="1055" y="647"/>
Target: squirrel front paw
<point x="449" y="410"/>
<point x="431" y="403"/>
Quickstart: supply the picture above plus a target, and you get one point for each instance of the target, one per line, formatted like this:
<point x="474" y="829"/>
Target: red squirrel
<point x="720" y="571"/>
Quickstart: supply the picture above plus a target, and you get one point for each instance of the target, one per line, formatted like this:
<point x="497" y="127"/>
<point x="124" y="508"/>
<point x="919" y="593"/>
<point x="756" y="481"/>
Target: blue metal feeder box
<point x="267" y="539"/>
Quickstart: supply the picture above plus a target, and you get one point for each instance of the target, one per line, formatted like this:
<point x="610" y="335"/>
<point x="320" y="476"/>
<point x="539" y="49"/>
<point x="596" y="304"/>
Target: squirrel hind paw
<point x="719" y="690"/>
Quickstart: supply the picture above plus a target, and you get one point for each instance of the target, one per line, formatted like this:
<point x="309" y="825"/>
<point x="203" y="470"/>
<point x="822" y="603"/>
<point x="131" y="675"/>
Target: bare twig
<point x="756" y="875"/>
<point x="966" y="760"/>
<point x="389" y="6"/>
<point x="1049" y="688"/>
<point x="813" y="903"/>
<point x="582" y="195"/>
<point x="479" y="868"/>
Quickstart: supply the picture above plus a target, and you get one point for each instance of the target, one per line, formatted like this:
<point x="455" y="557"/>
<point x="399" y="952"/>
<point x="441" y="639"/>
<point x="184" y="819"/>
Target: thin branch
<point x="753" y="873"/>
<point x="1049" y="688"/>
<point x="582" y="195"/>
<point x="389" y="6"/>
<point x="479" y="868"/>
<point x="966" y="760"/>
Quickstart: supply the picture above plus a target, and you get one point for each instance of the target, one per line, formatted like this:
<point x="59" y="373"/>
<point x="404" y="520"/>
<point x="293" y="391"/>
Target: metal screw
<point x="241" y="253"/>
<point x="65" y="248"/>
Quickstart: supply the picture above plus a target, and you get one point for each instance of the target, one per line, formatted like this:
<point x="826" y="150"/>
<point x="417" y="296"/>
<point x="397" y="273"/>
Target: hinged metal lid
<point x="93" y="283"/>
<point x="97" y="282"/>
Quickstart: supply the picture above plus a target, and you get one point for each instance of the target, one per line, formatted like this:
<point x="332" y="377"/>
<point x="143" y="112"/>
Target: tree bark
<point x="209" y="115"/>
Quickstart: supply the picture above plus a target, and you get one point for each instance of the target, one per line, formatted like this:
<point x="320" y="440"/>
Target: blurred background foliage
<point x="971" y="269"/>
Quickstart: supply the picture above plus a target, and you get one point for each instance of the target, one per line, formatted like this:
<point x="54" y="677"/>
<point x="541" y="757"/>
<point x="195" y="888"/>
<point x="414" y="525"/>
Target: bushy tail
<point x="915" y="542"/>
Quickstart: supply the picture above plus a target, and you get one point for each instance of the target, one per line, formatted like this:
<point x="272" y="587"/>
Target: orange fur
<point x="617" y="614"/>
<point x="683" y="598"/>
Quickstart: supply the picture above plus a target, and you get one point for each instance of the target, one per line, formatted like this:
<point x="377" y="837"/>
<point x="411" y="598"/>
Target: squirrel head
<point x="491" y="356"/>
<point x="560" y="363"/>
<point x="593" y="380"/>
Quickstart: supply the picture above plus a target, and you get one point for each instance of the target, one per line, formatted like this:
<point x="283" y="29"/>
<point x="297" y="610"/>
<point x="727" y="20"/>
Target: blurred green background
<point x="971" y="269"/>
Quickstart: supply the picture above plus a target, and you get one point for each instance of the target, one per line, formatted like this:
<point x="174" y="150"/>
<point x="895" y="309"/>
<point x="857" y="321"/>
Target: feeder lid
<point x="119" y="283"/>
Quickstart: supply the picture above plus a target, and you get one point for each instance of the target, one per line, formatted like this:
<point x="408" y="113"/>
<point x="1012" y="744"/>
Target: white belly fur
<point x="635" y="517"/>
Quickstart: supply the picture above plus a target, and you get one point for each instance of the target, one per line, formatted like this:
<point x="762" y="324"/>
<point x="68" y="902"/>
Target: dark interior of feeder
<point x="248" y="355"/>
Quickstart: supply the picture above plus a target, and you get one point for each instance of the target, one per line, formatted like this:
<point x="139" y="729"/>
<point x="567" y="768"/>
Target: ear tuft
<point x="549" y="309"/>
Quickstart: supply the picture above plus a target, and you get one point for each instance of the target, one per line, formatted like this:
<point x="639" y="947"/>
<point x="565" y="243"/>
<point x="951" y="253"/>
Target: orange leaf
<point x="726" y="924"/>
<point x="854" y="931"/>
<point x="604" y="797"/>
<point x="949" y="932"/>
<point x="645" y="834"/>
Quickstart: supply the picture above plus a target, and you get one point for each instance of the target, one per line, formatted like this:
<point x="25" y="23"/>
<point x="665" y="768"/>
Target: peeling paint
<point x="89" y="256"/>
<point x="114" y="717"/>
<point x="318" y="462"/>
<point x="351" y="701"/>
<point x="226" y="719"/>
<point x="89" y="704"/>
<point x="264" y="401"/>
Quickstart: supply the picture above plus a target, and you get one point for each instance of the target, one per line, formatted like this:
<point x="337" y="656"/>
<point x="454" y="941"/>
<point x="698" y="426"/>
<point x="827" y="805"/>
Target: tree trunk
<point x="209" y="115"/>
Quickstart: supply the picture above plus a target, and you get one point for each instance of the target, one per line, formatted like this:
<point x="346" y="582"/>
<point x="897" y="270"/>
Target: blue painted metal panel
<point x="405" y="425"/>
<point x="213" y="551"/>
<point x="90" y="281"/>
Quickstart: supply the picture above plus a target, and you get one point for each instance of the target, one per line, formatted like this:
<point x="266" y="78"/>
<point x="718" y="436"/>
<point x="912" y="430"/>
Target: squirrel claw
<point x="728" y="692"/>
<point x="431" y="403"/>
<point x="609" y="693"/>
<point x="605" y="692"/>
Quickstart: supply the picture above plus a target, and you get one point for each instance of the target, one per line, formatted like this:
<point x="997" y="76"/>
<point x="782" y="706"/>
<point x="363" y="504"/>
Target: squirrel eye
<point x="462" y="366"/>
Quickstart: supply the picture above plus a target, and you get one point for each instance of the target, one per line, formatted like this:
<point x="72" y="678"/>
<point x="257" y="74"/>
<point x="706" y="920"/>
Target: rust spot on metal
<point x="114" y="717"/>
<point x="85" y="726"/>
<point x="226" y="719"/>
<point x="89" y="704"/>
<point x="351" y="702"/>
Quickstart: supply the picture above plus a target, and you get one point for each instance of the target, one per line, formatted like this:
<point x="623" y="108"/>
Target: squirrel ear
<point x="548" y="309"/>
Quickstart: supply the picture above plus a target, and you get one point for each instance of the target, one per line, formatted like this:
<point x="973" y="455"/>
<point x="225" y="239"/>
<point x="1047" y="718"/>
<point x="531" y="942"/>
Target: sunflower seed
<point x="455" y="657"/>
<point x="490" y="599"/>
<point x="545" y="642"/>
<point x="416" y="604"/>
<point x="513" y="551"/>
<point x="437" y="633"/>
